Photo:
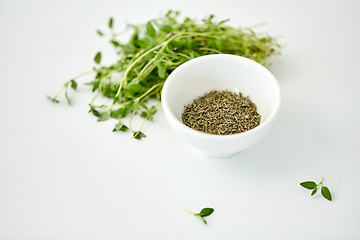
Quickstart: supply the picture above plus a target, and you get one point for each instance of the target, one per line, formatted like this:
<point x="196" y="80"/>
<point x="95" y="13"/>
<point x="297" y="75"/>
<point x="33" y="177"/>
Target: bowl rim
<point x="169" y="114"/>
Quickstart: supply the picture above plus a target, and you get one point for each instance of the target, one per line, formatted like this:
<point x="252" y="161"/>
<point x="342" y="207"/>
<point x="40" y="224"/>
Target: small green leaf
<point x="224" y="21"/>
<point x="150" y="29"/>
<point x="206" y="212"/>
<point x="115" y="43"/>
<point x="135" y="80"/>
<point x="120" y="127"/>
<point x="152" y="110"/>
<point x="95" y="113"/>
<point x="172" y="53"/>
<point x="53" y="99"/>
<point x="111" y="23"/>
<point x="123" y="128"/>
<point x="314" y="191"/>
<point x="98" y="58"/>
<point x="96" y="85"/>
<point x="103" y="116"/>
<point x="99" y="32"/>
<point x="121" y="112"/>
<point x="138" y="135"/>
<point x="218" y="44"/>
<point x="166" y="28"/>
<point x="143" y="114"/>
<point x="326" y="193"/>
<point x="136" y="89"/>
<point x="309" y="185"/>
<point x="161" y="69"/>
<point x="73" y="84"/>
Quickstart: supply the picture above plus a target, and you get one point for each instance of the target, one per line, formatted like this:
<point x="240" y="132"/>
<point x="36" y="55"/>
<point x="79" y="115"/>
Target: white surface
<point x="65" y="176"/>
<point x="221" y="72"/>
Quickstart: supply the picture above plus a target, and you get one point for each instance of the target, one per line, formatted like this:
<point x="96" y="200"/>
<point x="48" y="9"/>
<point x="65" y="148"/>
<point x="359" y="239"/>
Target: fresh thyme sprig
<point x="314" y="187"/>
<point x="154" y="50"/>
<point x="205" y="212"/>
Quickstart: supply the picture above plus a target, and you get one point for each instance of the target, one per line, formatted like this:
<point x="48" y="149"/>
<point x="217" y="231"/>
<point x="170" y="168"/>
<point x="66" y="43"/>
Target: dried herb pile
<point x="221" y="113"/>
<point x="154" y="50"/>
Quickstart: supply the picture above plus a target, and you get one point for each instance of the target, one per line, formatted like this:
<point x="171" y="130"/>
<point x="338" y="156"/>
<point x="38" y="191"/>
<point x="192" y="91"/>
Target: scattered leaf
<point x="314" y="187"/>
<point x="326" y="193"/>
<point x="309" y="185"/>
<point x="98" y="58"/>
<point x="111" y="23"/>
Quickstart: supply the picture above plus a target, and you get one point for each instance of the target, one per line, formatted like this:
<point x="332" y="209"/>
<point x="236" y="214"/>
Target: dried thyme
<point x="221" y="113"/>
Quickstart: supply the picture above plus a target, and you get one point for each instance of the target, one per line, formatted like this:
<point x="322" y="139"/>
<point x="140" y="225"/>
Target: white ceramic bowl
<point x="201" y="75"/>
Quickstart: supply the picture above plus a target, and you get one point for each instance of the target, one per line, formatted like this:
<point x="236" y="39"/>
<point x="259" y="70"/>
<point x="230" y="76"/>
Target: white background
<point x="65" y="176"/>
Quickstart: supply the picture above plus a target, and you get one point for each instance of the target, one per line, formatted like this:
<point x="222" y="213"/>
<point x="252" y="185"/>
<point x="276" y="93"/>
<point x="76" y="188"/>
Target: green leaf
<point x="95" y="113"/>
<point x="111" y="23"/>
<point x="314" y="191"/>
<point x="150" y="29"/>
<point x="99" y="32"/>
<point x="98" y="58"/>
<point x="224" y="21"/>
<point x="120" y="127"/>
<point x="96" y="85"/>
<point x="206" y="212"/>
<point x="119" y="113"/>
<point x="172" y="53"/>
<point x="53" y="99"/>
<point x="103" y="116"/>
<point x="166" y="28"/>
<point x="152" y="110"/>
<point x="73" y="84"/>
<point x="189" y="42"/>
<point x="161" y="69"/>
<point x="135" y="80"/>
<point x="115" y="43"/>
<point x="143" y="114"/>
<point x="123" y="128"/>
<point x="138" y="135"/>
<point x="326" y="193"/>
<point x="218" y="44"/>
<point x="309" y="185"/>
<point x="136" y="89"/>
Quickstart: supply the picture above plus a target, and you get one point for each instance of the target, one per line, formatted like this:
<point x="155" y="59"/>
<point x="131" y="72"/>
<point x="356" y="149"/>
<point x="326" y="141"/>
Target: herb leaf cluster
<point x="325" y="192"/>
<point x="154" y="50"/>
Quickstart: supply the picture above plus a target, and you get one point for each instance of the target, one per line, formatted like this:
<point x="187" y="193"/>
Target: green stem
<point x="189" y="212"/>
<point x="132" y="65"/>
<point x="83" y="74"/>
<point x="211" y="50"/>
<point x="147" y="92"/>
<point x="59" y="92"/>
<point x="93" y="99"/>
<point x="163" y="45"/>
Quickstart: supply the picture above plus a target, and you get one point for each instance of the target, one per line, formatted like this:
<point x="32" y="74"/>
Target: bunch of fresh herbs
<point x="154" y="50"/>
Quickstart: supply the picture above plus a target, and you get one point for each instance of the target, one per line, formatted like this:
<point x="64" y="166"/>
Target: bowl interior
<point x="222" y="72"/>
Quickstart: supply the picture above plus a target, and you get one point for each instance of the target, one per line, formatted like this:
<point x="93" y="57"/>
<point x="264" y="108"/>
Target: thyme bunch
<point x="154" y="50"/>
